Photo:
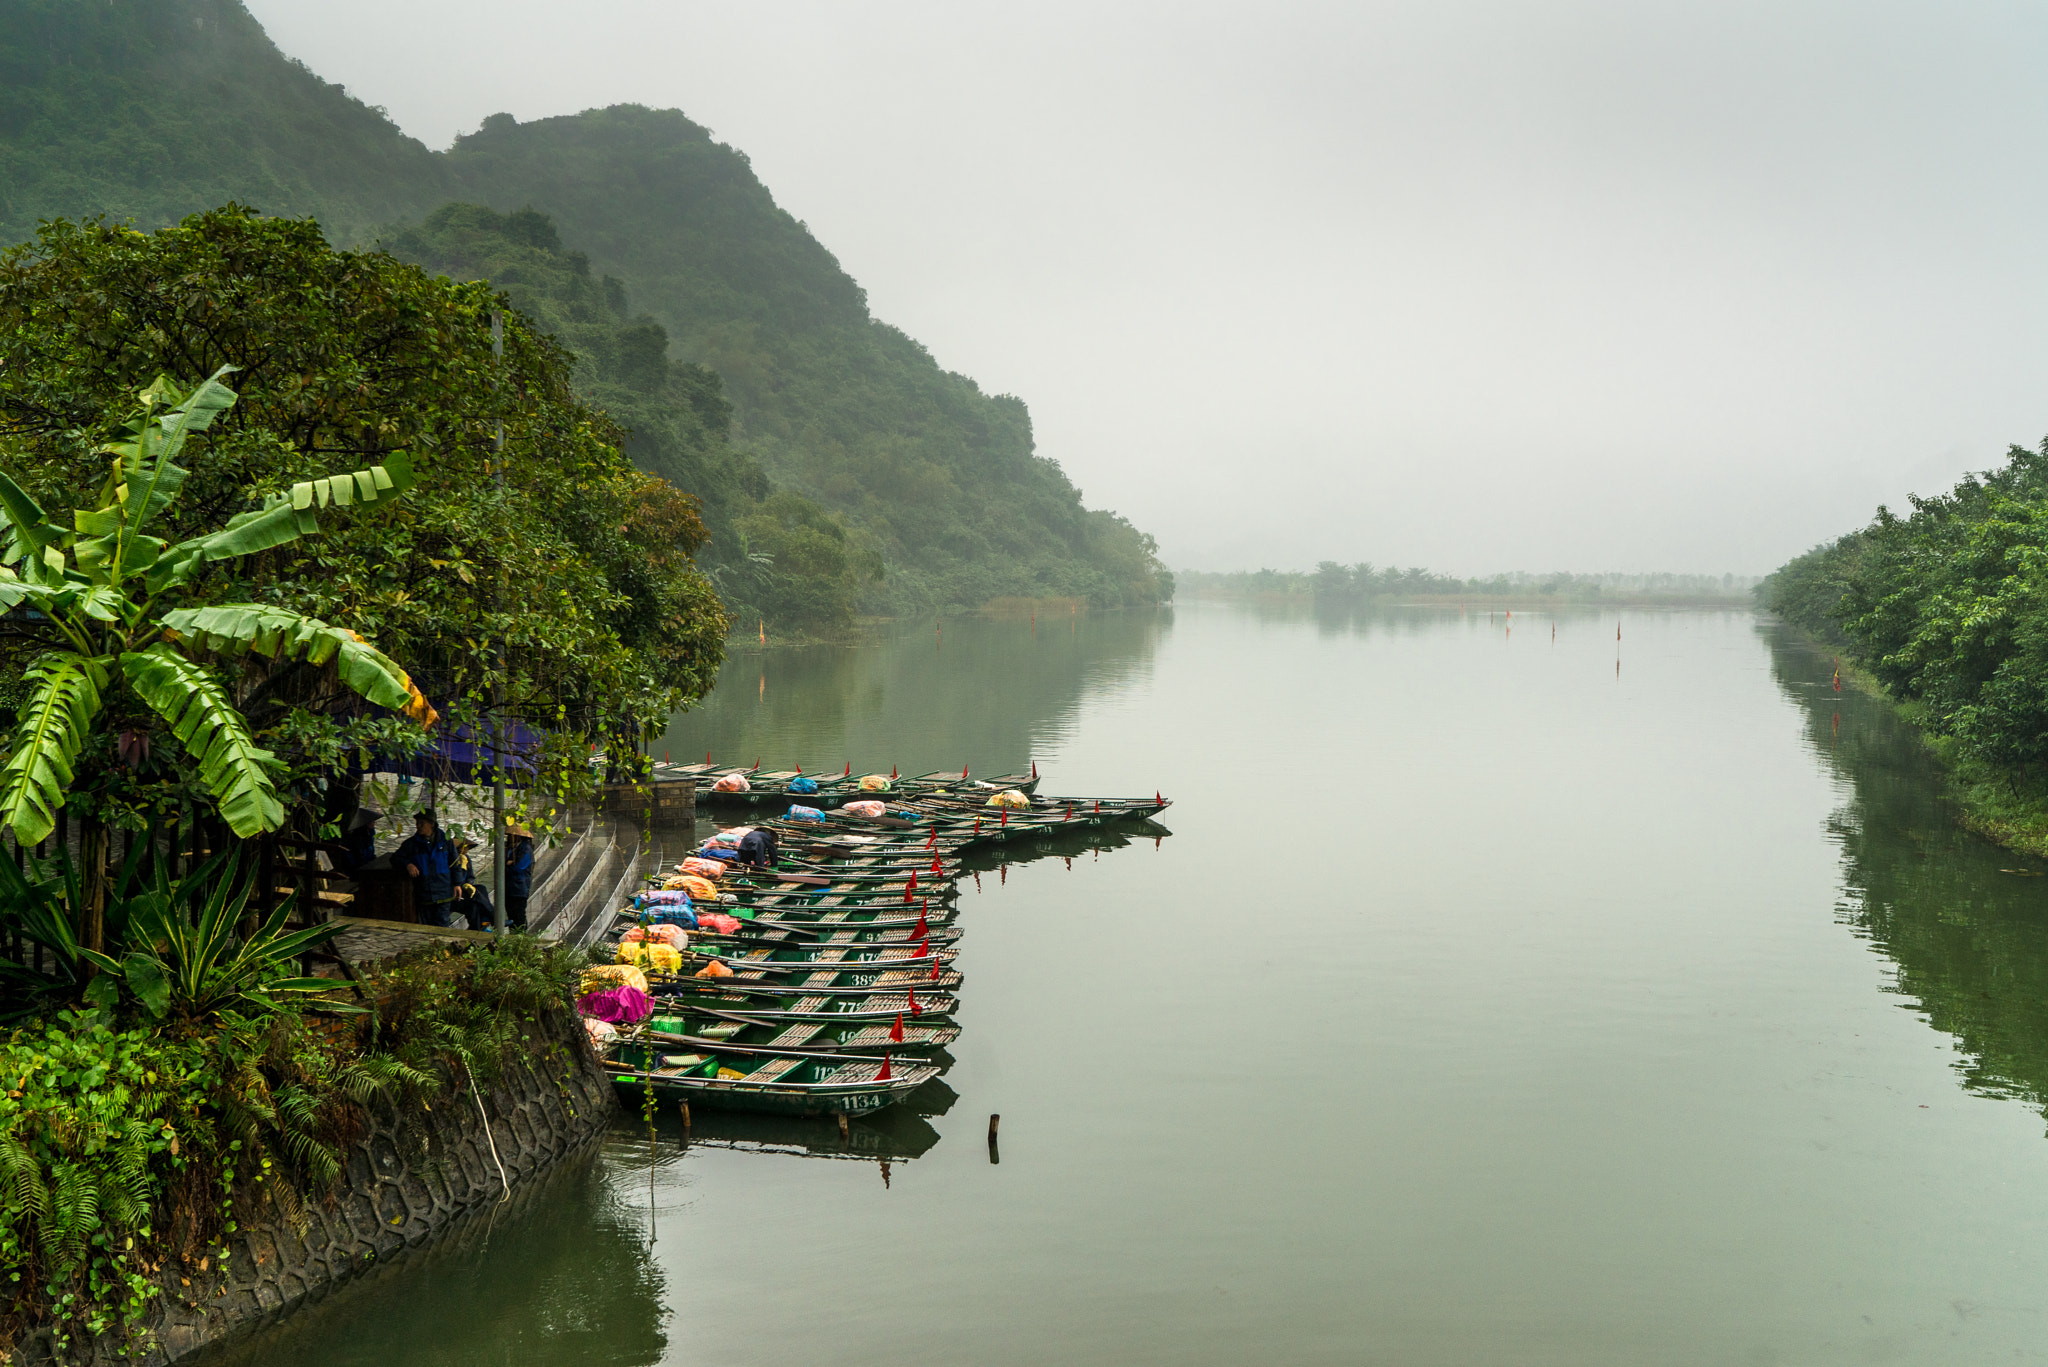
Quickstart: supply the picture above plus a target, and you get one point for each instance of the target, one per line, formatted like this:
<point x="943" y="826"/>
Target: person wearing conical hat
<point x="518" y="873"/>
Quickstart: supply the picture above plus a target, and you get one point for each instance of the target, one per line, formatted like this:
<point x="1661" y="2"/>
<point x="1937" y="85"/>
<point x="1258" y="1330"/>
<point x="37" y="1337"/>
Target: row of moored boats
<point x="805" y="963"/>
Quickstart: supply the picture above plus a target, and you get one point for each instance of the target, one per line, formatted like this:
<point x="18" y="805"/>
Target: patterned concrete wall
<point x="417" y="1168"/>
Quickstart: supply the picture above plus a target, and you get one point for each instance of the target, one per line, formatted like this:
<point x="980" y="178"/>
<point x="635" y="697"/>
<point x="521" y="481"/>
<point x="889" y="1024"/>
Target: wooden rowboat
<point x="763" y="1001"/>
<point x="737" y="1079"/>
<point x="841" y="1036"/>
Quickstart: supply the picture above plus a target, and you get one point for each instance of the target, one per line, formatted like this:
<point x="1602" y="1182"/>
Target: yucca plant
<point x="99" y="588"/>
<point x="186" y="956"/>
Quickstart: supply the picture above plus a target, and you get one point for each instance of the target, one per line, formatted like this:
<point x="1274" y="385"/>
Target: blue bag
<point x="803" y="814"/>
<point x="803" y="785"/>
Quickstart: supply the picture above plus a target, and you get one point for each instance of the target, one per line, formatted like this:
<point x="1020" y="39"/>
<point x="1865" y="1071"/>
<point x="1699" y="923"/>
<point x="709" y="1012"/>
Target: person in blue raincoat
<point x="518" y="874"/>
<point x="429" y="859"/>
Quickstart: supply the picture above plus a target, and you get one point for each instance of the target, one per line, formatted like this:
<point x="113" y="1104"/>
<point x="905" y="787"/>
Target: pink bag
<point x="703" y="868"/>
<point x="718" y="921"/>
<point x="617" y="1004"/>
<point x="672" y="935"/>
<point x="865" y="808"/>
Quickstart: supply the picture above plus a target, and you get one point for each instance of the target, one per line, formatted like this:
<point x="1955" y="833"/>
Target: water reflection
<point x="1966" y="936"/>
<point x="562" y="1272"/>
<point x="881" y="703"/>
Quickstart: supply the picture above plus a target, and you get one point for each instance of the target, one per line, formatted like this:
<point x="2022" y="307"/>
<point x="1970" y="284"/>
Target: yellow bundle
<point x="700" y="889"/>
<point x="604" y="976"/>
<point x="656" y="958"/>
<point x="874" y="783"/>
<point x="1009" y="797"/>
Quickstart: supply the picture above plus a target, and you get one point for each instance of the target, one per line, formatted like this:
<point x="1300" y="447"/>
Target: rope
<point x="488" y="1136"/>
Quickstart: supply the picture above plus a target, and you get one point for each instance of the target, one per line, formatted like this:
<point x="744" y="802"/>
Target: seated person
<point x="428" y="858"/>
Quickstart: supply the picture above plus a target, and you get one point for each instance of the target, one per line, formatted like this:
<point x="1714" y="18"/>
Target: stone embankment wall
<point x="417" y="1168"/>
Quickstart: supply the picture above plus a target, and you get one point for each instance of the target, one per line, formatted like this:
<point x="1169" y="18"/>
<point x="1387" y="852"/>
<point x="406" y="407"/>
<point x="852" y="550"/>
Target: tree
<point x="111" y="654"/>
<point x="551" y="583"/>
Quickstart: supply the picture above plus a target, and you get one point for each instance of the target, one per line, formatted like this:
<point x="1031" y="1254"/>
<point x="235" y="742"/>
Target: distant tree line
<point x="1947" y="608"/>
<point x="1332" y="581"/>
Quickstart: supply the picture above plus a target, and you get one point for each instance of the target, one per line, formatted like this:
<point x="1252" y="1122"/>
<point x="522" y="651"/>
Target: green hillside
<point x="151" y="109"/>
<point x="154" y="109"/>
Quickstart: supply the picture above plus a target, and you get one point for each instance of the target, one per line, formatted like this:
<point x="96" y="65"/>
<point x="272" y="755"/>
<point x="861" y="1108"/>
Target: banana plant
<point x="100" y="586"/>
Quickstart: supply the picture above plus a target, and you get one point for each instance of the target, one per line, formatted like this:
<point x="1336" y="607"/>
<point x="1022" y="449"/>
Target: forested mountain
<point x="775" y="554"/>
<point x="151" y="109"/>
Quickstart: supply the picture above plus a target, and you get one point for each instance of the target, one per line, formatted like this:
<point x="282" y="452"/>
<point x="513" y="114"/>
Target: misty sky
<point x="1476" y="286"/>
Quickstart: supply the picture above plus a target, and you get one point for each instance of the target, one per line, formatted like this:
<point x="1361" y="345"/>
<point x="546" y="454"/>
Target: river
<point x="1505" y="993"/>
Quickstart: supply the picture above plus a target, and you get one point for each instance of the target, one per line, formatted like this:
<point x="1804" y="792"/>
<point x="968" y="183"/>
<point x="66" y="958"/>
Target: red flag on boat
<point x="707" y="757"/>
<point x="1034" y="768"/>
<point x="912" y="887"/>
<point x="934" y="840"/>
<point x="799" y="768"/>
<point x="892" y="771"/>
<point x="1098" y="807"/>
<point x="896" y="1030"/>
<point x="885" y="1074"/>
<point x="935" y="863"/>
<point x="922" y="930"/>
<point x="963" y="771"/>
<point x="1070" y="813"/>
<point x="849" y="770"/>
<point x="935" y="971"/>
<point x="1157" y="800"/>
<point x="1006" y="817"/>
<point x="977" y="825"/>
<point x="915" y="1009"/>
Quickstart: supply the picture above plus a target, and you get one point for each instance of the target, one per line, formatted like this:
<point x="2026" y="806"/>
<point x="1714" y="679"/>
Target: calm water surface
<point x="1486" y="1005"/>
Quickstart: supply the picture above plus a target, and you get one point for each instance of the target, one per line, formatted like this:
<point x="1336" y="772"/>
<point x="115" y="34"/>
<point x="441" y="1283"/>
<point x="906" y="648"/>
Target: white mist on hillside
<point x="1449" y="282"/>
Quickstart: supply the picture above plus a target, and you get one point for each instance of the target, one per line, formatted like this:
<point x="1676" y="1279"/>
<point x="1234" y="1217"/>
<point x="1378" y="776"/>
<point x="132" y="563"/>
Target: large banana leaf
<point x="283" y="518"/>
<point x="234" y="768"/>
<point x="31" y="526"/>
<point x="63" y="698"/>
<point x="281" y="635"/>
<point x="151" y="474"/>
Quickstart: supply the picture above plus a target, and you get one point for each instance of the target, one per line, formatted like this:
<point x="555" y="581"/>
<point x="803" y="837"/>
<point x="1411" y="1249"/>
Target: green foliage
<point x="128" y="1146"/>
<point x="838" y="406"/>
<point x="556" y="581"/>
<point x="152" y="109"/>
<point x="97" y="592"/>
<point x="477" y="1007"/>
<point x="1947" y="609"/>
<point x="676" y="414"/>
<point x="187" y="956"/>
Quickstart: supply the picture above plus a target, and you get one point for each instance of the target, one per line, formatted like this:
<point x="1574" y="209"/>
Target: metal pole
<point x="497" y="690"/>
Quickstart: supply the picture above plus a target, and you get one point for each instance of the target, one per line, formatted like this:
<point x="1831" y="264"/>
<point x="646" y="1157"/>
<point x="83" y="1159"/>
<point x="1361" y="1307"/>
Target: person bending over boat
<point x="758" y="848"/>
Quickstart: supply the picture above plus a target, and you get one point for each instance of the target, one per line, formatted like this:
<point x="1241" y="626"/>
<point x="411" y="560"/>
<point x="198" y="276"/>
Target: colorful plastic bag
<point x="719" y="921"/>
<point x="628" y="1005"/>
<point x="731" y="783"/>
<point x="654" y="958"/>
<point x="662" y="934"/>
<point x="1009" y="797"/>
<point x="703" y="868"/>
<point x="803" y="785"/>
<point x="866" y="807"/>
<point x="875" y="783"/>
<point x="803" y="814"/>
<point x="601" y="976"/>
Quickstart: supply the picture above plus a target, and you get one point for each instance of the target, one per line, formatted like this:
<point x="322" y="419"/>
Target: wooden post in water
<point x="994" y="1123"/>
<point x="843" y="1135"/>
